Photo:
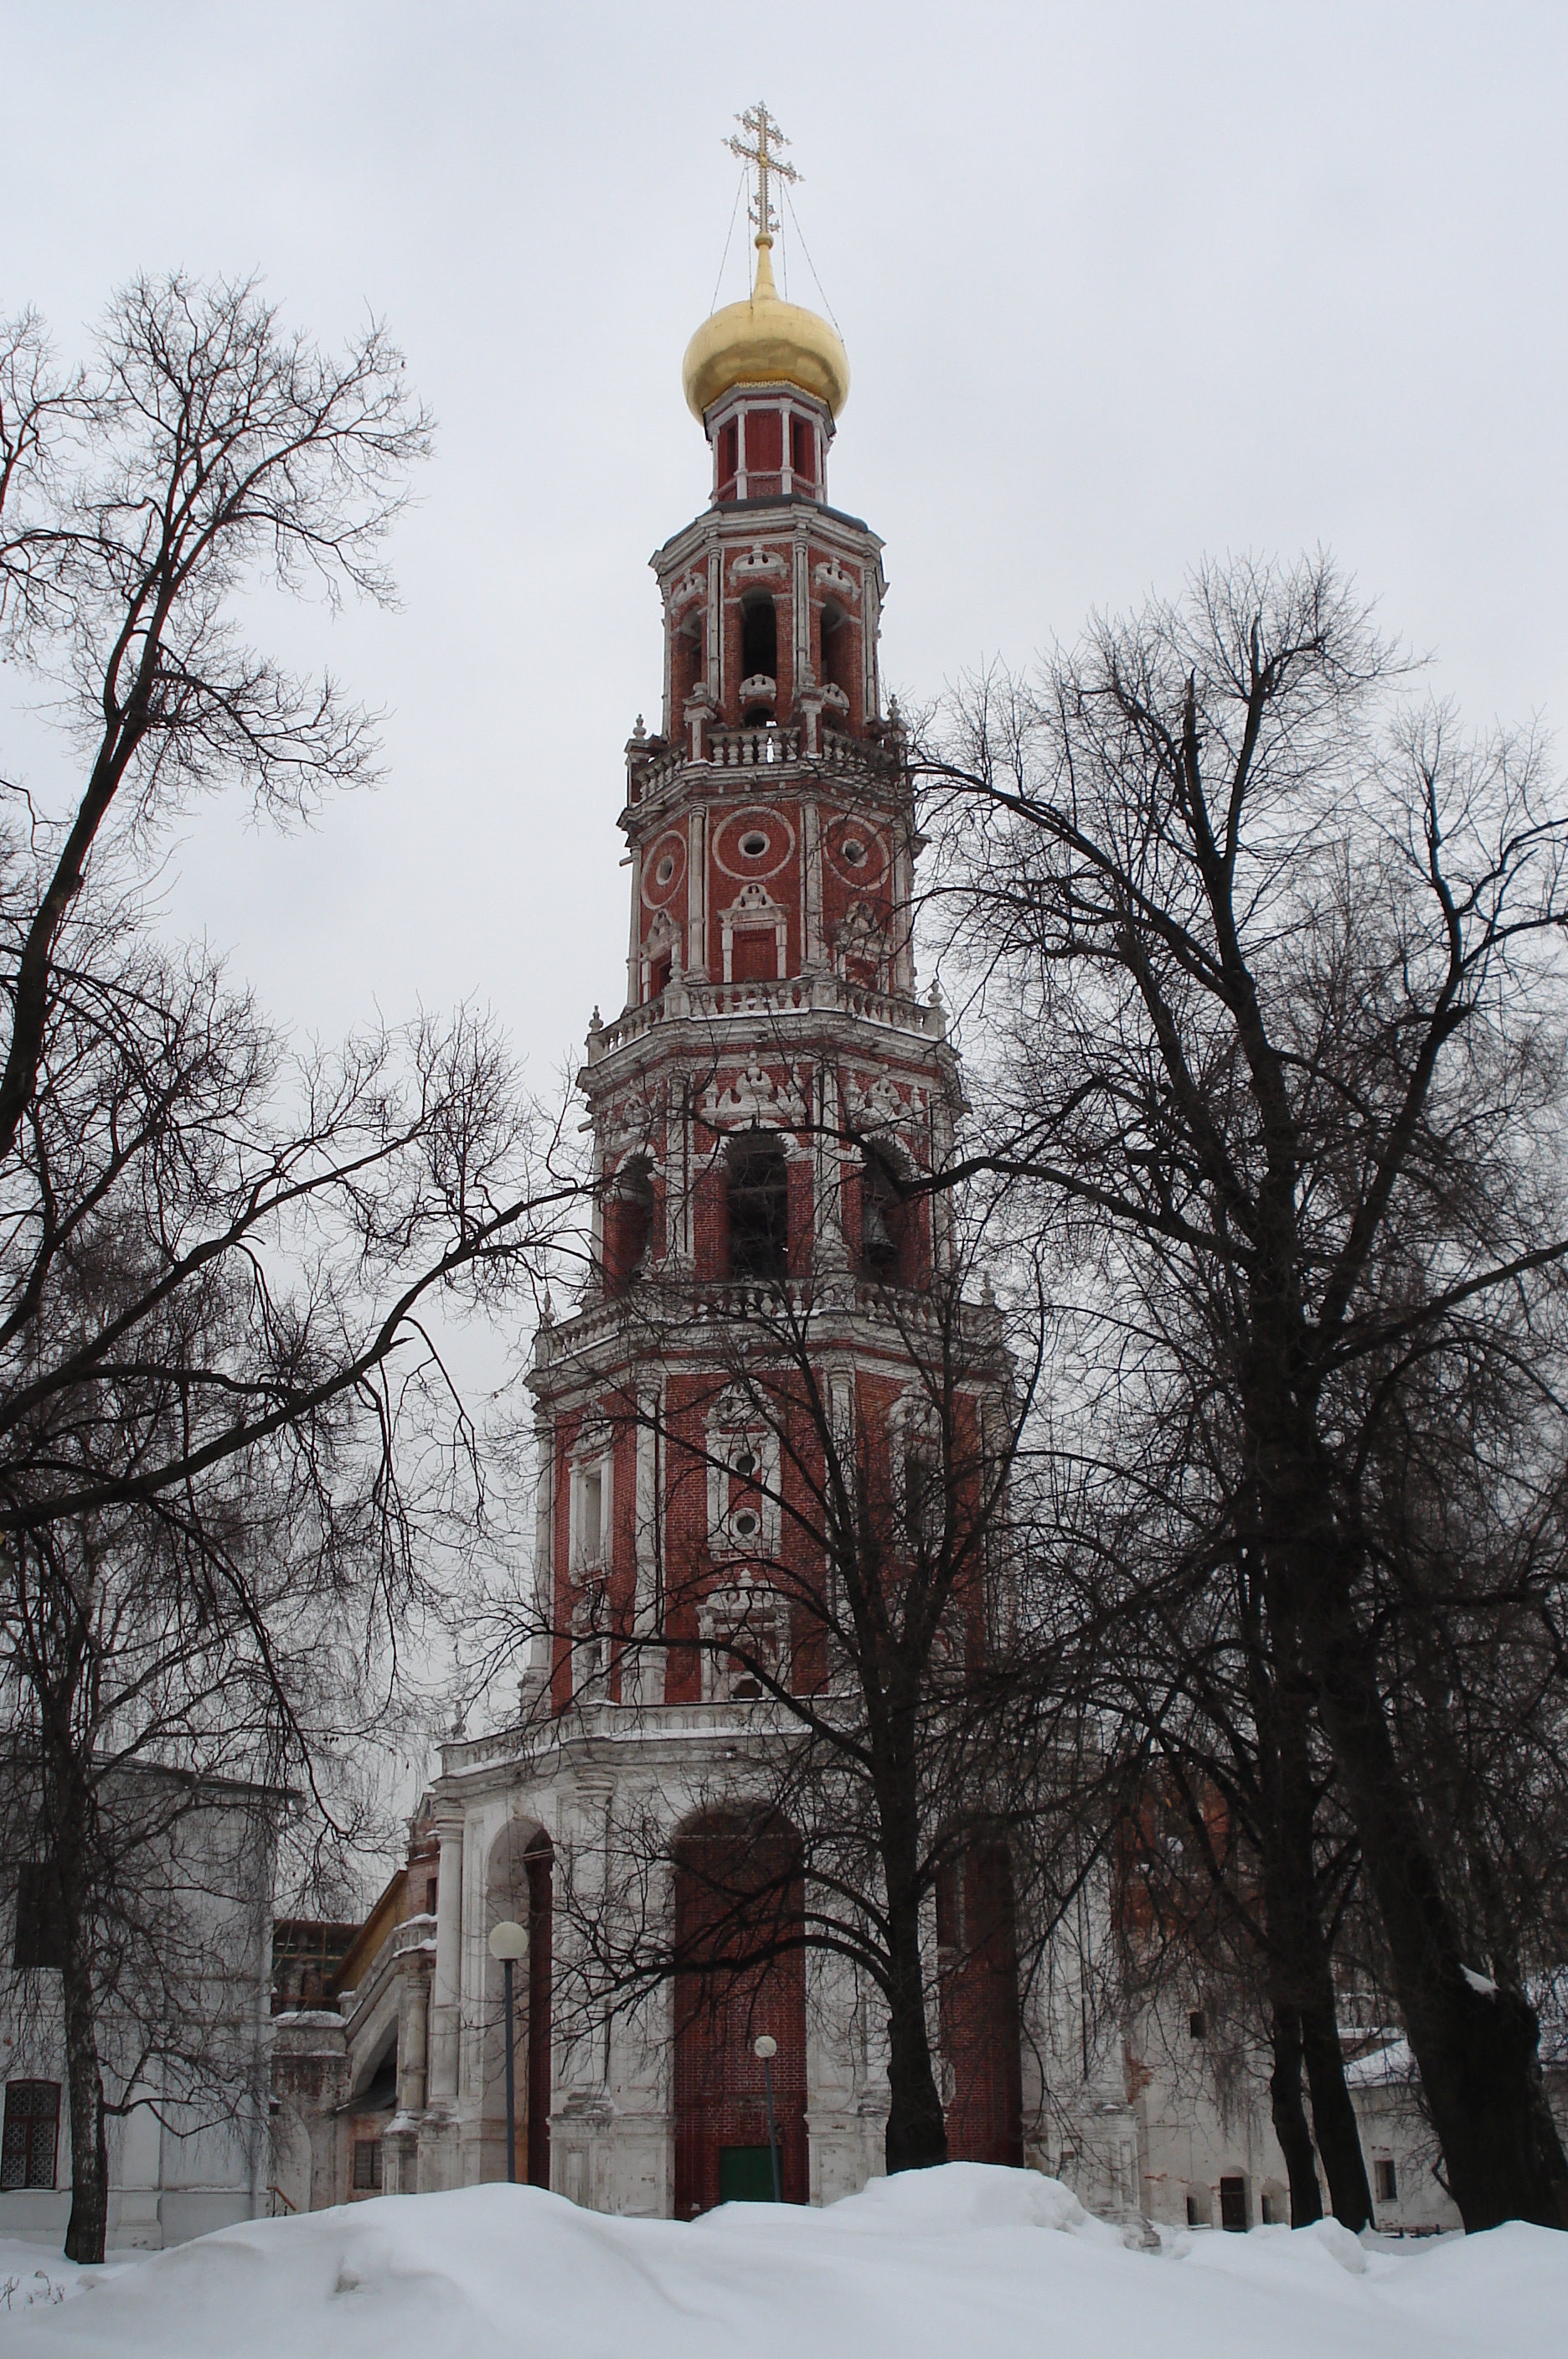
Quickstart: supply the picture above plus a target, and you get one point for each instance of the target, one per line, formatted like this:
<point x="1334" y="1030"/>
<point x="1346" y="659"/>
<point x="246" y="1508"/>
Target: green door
<point x="746" y="2174"/>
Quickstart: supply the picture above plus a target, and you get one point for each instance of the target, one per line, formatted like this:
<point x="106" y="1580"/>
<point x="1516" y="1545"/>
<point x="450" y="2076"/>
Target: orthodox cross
<point x="763" y="130"/>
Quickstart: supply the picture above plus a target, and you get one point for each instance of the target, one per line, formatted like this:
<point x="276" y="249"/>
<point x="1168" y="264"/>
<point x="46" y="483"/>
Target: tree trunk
<point x="1291" y="2118"/>
<point x="1334" y="2125"/>
<point x="1477" y="2049"/>
<point x="916" y="2131"/>
<point x="1300" y="1967"/>
<point x="85" y="2092"/>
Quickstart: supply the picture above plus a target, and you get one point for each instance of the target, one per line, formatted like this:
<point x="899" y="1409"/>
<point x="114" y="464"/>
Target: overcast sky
<point x="1121" y="287"/>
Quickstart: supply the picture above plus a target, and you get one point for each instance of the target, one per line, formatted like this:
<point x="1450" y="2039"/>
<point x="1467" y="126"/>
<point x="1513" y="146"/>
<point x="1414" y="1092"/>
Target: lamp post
<point x="509" y="1943"/>
<point x="768" y="2049"/>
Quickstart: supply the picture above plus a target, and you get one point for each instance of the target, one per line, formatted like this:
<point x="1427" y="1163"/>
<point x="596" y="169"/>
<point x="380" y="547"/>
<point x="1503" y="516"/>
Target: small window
<point x="366" y="2165"/>
<point x="31" y="2134"/>
<point x="432" y="1889"/>
<point x="590" y="1488"/>
<point x="802" y="451"/>
<point x="40" y="1930"/>
<point x="729" y="454"/>
<point x="853" y="851"/>
<point x="754" y="845"/>
<point x="1195" y="2024"/>
<point x="1386" y="2181"/>
<point x="1233" y="2205"/>
<point x="664" y="870"/>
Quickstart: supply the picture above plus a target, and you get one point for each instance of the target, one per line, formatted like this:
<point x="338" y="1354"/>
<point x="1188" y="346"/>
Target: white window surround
<point x="752" y="1615"/>
<point x="730" y="1438"/>
<point x="753" y="910"/>
<point x="592" y="1504"/>
<point x="663" y="942"/>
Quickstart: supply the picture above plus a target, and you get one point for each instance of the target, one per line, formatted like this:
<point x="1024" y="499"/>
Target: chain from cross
<point x="763" y="130"/>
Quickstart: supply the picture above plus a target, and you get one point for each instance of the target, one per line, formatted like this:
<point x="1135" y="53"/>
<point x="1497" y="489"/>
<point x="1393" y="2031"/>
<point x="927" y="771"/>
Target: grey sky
<point x="1120" y="285"/>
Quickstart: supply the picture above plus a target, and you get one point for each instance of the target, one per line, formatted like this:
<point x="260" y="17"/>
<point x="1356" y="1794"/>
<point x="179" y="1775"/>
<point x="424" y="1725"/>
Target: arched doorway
<point x="518" y="1886"/>
<point x="739" y="1912"/>
<point x="979" y="1992"/>
<point x="539" y="1862"/>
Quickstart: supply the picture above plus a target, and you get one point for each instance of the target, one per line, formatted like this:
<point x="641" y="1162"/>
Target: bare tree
<point x="204" y="449"/>
<point x="230" y="1442"/>
<point x="1275" y="965"/>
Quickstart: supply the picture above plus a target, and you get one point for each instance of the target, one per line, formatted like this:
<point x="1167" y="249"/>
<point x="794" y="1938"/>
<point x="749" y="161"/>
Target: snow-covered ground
<point x="937" y="2265"/>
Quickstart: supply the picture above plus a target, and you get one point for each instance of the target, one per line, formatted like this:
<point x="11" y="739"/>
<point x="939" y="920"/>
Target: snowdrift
<point x="936" y="2264"/>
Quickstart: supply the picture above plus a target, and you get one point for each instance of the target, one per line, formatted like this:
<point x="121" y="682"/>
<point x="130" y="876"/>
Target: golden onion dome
<point x="765" y="340"/>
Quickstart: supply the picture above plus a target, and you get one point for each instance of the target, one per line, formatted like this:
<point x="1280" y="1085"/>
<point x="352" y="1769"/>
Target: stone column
<point x="411" y="2030"/>
<point x="696" y="959"/>
<point x="443" y="2021"/>
<point x="643" y="1681"/>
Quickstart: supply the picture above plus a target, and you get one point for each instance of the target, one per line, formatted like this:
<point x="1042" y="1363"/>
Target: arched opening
<point x="764" y="454"/>
<point x="739" y="1914"/>
<point x="841" y="656"/>
<point x="686" y="662"/>
<point x="978" y="2001"/>
<point x="758" y="639"/>
<point x="884" y="1221"/>
<point x="757" y="1194"/>
<point x="371" y="2108"/>
<point x="519" y="1889"/>
<point x="628" y="1224"/>
<point x="803" y="454"/>
<point x="539" y="1862"/>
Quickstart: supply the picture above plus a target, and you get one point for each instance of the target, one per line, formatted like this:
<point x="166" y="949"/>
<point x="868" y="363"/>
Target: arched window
<point x="759" y="640"/>
<point x="758" y="1196"/>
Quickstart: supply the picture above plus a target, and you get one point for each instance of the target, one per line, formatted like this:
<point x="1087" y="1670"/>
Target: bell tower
<point x="763" y="1110"/>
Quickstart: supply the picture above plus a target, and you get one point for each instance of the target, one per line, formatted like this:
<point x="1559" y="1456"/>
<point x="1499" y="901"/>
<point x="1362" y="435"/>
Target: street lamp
<point x="768" y="2049"/>
<point x="509" y="1943"/>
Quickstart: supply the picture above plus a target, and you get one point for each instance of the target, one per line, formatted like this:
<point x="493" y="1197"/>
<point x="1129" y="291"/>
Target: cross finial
<point x="761" y="150"/>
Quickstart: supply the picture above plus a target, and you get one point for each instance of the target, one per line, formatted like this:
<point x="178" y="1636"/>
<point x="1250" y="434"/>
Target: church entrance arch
<point x="739" y="1915"/>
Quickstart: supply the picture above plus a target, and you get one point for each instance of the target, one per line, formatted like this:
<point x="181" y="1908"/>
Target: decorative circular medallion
<point x="664" y="869"/>
<point x="857" y="852"/>
<point x="753" y="843"/>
